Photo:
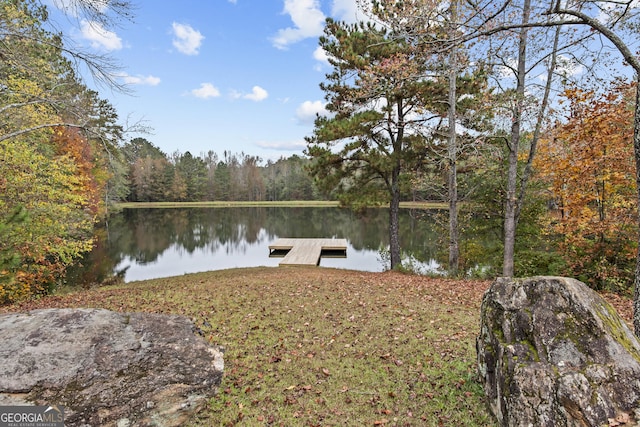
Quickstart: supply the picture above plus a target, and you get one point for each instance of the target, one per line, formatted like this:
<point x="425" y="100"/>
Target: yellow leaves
<point x="69" y="142"/>
<point x="589" y="167"/>
<point x="32" y="70"/>
<point x="25" y="108"/>
<point x="59" y="225"/>
<point x="11" y="289"/>
<point x="578" y="96"/>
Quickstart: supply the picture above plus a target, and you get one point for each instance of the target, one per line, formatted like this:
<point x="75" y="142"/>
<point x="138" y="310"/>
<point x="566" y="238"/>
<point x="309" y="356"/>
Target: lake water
<point x="153" y="243"/>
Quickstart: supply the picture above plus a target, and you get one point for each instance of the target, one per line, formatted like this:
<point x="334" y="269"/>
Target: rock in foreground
<point x="107" y="368"/>
<point x="552" y="352"/>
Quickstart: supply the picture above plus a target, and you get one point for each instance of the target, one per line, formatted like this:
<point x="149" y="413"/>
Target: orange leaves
<point x="587" y="162"/>
<point x="70" y="142"/>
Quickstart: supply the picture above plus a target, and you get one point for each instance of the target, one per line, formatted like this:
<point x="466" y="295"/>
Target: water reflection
<point x="152" y="243"/>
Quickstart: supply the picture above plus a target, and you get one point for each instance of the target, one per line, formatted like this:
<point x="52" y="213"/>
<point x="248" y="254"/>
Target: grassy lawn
<point x="324" y="347"/>
<point x="311" y="346"/>
<point x="316" y="346"/>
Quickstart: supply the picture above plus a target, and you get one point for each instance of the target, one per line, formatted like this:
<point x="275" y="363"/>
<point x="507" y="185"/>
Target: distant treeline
<point x="155" y="176"/>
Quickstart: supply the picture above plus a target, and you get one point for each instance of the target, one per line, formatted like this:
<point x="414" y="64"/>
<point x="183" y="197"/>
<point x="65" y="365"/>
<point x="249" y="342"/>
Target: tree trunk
<point x="528" y="168"/>
<point x="636" y="150"/>
<point x="510" y="208"/>
<point x="454" y="246"/>
<point x="394" y="229"/>
<point x="513" y="145"/>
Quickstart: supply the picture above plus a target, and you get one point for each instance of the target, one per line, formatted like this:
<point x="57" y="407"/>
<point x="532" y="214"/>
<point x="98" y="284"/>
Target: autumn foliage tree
<point x="611" y="24"/>
<point x="587" y="161"/>
<point x="72" y="143"/>
<point x="53" y="175"/>
<point x="57" y="224"/>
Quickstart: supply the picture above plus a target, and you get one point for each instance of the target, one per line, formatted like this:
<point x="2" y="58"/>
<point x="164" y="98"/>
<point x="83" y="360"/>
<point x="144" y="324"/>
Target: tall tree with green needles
<point x="380" y="101"/>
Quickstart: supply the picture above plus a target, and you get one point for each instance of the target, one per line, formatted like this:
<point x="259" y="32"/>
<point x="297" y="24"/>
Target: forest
<point x="472" y="104"/>
<point x="153" y="176"/>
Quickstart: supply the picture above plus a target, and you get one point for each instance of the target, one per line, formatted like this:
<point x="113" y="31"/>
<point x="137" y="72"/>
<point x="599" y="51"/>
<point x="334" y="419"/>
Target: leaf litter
<point x="317" y="346"/>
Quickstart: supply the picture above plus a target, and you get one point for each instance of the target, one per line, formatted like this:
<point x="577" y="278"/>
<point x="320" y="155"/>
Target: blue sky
<point x="235" y="75"/>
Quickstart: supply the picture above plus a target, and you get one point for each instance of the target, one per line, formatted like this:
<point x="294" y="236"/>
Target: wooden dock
<point x="306" y="251"/>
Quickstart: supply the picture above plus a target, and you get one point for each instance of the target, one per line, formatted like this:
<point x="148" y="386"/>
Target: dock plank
<point x="305" y="251"/>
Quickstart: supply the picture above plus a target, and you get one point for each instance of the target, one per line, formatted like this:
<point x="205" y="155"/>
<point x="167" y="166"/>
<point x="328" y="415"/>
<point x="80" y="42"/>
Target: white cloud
<point x="508" y="69"/>
<point x="257" y="94"/>
<point x="205" y="91"/>
<point x="283" y="145"/>
<point x="568" y="66"/>
<point x="141" y="80"/>
<point x="346" y="10"/>
<point x="320" y="55"/>
<point x="99" y="37"/>
<point x="307" y="111"/>
<point x="308" y="21"/>
<point x="186" y="39"/>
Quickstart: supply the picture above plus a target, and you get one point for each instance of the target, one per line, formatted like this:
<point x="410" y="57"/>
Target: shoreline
<point x="289" y="204"/>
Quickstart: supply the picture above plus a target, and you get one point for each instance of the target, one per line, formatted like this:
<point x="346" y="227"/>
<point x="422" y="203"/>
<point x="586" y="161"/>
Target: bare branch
<point x="607" y="32"/>
<point x="107" y="13"/>
<point x="38" y="127"/>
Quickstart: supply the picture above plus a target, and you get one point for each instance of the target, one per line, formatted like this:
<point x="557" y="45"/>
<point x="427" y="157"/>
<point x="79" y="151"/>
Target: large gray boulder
<point x="552" y="352"/>
<point x="107" y="368"/>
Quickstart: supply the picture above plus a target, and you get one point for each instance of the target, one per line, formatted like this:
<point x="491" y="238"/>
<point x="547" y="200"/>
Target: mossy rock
<point x="552" y="352"/>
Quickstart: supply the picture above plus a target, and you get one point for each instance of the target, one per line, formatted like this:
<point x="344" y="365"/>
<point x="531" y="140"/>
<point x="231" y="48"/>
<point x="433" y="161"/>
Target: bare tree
<point x="452" y="145"/>
<point x="104" y="15"/>
<point x="513" y="144"/>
